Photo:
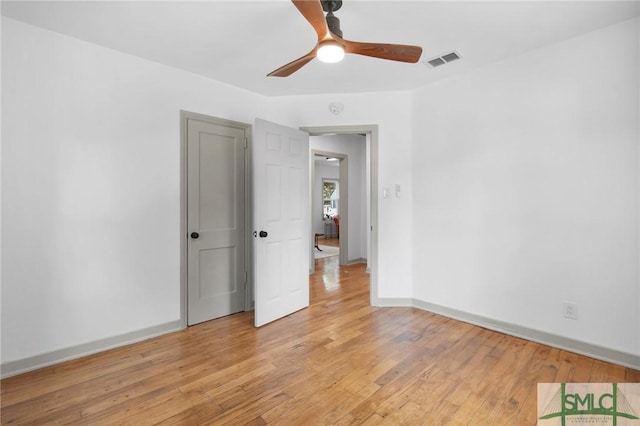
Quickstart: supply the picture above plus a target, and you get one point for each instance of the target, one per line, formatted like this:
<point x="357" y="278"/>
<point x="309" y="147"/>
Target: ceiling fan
<point x="331" y="47"/>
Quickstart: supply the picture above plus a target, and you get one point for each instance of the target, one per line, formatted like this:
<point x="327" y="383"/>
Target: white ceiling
<point x="240" y="42"/>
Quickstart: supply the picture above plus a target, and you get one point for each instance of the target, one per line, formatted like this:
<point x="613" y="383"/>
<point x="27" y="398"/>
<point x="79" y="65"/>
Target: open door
<point x="281" y="221"/>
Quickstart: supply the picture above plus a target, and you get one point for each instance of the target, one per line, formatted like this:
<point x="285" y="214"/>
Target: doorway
<point x="325" y="218"/>
<point x="326" y="192"/>
<point x="371" y="160"/>
<point x="370" y="133"/>
<point x="270" y="190"/>
<point x="214" y="200"/>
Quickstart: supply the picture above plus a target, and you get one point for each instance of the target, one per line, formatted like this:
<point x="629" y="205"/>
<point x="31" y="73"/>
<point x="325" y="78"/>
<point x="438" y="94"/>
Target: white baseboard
<point x="13" y="368"/>
<point x="394" y="302"/>
<point x="549" y="339"/>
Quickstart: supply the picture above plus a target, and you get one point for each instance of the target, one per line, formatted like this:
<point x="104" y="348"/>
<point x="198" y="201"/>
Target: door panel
<point x="215" y="211"/>
<point x="217" y="268"/>
<point x="217" y="181"/>
<point x="281" y="208"/>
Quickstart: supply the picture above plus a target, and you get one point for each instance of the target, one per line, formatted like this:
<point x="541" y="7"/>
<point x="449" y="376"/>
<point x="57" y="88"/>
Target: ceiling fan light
<point x="330" y="52"/>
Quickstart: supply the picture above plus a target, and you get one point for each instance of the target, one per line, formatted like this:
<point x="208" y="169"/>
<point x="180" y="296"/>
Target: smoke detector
<point x="336" y="107"/>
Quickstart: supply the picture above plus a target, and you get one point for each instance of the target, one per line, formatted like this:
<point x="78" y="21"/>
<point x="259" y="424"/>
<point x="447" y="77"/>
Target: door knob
<point x="263" y="234"/>
<point x="195" y="235"/>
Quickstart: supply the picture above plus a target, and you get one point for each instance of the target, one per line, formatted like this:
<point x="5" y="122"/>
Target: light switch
<point x="398" y="190"/>
<point x="385" y="192"/>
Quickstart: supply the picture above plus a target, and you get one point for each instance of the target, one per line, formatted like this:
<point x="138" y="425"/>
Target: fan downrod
<point x="333" y="22"/>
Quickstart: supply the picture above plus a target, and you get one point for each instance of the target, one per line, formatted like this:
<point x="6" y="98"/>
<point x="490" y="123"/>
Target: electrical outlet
<point x="570" y="310"/>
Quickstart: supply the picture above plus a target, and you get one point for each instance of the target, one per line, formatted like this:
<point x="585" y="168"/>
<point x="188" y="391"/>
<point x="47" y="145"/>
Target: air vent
<point x="451" y="57"/>
<point x="436" y="62"/>
<point x="443" y="59"/>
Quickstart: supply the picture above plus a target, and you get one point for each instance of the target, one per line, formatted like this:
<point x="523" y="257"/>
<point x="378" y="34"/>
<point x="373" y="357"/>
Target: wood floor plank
<point x="340" y="414"/>
<point x="339" y="362"/>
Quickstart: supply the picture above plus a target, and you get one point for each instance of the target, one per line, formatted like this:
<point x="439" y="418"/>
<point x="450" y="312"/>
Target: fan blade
<point x="293" y="66"/>
<point x="393" y="52"/>
<point x="313" y="13"/>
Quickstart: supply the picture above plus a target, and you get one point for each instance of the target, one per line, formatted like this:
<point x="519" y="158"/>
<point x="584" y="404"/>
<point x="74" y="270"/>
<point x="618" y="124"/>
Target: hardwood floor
<point x="333" y="242"/>
<point x="340" y="361"/>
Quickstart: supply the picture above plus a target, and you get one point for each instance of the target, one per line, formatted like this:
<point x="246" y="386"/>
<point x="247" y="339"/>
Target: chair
<point x="336" y="220"/>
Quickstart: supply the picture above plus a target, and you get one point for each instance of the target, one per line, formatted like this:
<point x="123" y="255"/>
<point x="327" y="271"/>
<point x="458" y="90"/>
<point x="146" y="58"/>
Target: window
<point x="330" y="198"/>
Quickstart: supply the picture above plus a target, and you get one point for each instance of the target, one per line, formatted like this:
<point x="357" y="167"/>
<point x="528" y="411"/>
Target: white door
<point x="281" y="220"/>
<point x="215" y="220"/>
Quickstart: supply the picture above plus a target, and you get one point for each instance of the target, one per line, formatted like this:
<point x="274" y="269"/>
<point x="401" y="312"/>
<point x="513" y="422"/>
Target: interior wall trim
<point x="394" y="302"/>
<point x="572" y="345"/>
<point x="13" y="368"/>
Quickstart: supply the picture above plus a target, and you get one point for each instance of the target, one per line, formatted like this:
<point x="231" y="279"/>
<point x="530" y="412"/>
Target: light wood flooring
<point x="340" y="361"/>
<point x="333" y="242"/>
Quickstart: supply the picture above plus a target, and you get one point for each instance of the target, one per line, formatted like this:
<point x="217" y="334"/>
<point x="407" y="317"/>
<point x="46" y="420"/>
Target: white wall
<point x="526" y="190"/>
<point x="91" y="204"/>
<point x="391" y="112"/>
<point x="90" y="185"/>
<point x="353" y="146"/>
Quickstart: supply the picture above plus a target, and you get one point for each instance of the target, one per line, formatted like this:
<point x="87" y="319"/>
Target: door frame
<point x="343" y="178"/>
<point x="185" y="116"/>
<point x="371" y="132"/>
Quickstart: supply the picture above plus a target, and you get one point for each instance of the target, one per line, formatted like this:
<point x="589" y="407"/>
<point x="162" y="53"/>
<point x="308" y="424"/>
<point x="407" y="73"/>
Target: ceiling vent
<point x="441" y="60"/>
